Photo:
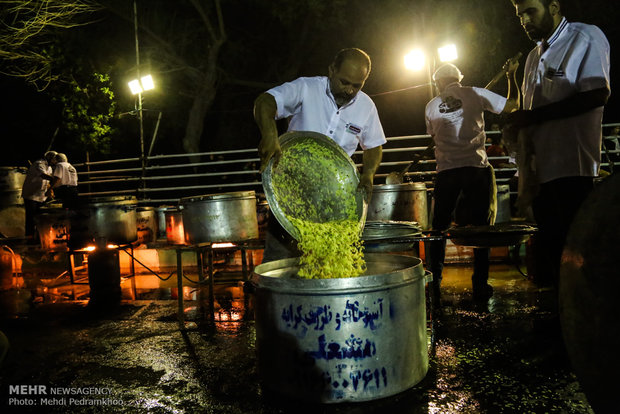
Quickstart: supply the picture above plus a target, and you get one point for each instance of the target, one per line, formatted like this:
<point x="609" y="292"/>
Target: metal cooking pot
<point x="341" y="340"/>
<point x="175" y="233"/>
<point x="225" y="217"/>
<point x="11" y="182"/>
<point x="147" y="224"/>
<point x="400" y="202"/>
<point x="109" y="218"/>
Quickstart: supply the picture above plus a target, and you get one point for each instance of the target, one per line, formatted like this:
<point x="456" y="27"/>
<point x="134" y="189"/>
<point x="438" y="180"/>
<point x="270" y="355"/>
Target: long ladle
<point x="396" y="177"/>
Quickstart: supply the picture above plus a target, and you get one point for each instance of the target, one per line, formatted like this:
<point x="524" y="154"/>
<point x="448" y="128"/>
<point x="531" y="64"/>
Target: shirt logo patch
<point x="451" y="104"/>
<point x="352" y="129"/>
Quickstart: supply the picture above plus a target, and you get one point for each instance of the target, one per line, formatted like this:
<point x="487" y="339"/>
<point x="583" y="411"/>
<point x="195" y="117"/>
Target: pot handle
<point x="428" y="276"/>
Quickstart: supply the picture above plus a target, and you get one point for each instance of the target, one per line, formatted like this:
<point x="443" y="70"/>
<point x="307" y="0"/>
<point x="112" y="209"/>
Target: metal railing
<point x="168" y="178"/>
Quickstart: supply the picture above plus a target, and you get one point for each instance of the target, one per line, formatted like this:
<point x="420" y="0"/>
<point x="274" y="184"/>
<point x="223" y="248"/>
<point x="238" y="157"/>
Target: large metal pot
<point x="110" y="218"/>
<point x="400" y="202"/>
<point x="11" y="183"/>
<point x="225" y="217"/>
<point x="12" y="213"/>
<point x="341" y="340"/>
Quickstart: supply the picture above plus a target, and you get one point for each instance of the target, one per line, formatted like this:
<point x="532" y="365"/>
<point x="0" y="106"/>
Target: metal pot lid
<point x="412" y="186"/>
<point x="117" y="200"/>
<point x="314" y="188"/>
<point x="234" y="195"/>
<point x="384" y="271"/>
<point x="388" y="229"/>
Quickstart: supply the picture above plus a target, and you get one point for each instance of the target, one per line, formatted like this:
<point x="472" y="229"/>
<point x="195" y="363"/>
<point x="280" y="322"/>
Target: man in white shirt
<point x="34" y="189"/>
<point x="331" y="105"/>
<point x="64" y="182"/>
<point x="565" y="87"/>
<point x="455" y="121"/>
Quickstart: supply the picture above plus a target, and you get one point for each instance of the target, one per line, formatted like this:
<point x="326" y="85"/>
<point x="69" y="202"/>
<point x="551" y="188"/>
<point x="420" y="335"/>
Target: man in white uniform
<point x="565" y="86"/>
<point x="455" y="121"/>
<point x="34" y="189"/>
<point x="331" y="105"/>
<point x="64" y="182"/>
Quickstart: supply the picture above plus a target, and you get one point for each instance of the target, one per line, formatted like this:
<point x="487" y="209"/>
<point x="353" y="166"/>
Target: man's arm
<point x="371" y="160"/>
<point x="265" y="109"/>
<point x="574" y="105"/>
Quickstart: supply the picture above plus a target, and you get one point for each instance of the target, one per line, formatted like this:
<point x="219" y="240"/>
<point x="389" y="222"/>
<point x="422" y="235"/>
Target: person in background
<point x="64" y="182"/>
<point x="496" y="149"/>
<point x="464" y="184"/>
<point x="565" y="87"/>
<point x="332" y="105"/>
<point x="34" y="190"/>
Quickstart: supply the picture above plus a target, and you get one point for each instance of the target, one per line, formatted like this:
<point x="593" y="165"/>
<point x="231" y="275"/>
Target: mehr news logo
<point x="42" y="395"/>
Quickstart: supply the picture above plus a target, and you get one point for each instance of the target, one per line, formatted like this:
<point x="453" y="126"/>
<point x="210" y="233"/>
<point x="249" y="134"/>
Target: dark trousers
<point x="31" y="208"/>
<point x="461" y="194"/>
<point x="554" y="208"/>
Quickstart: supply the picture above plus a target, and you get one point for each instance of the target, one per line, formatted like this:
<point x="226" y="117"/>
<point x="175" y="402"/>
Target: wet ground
<point x="503" y="356"/>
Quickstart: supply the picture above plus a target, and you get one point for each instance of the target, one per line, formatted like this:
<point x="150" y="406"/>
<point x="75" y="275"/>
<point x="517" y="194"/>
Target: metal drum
<point x="341" y="340"/>
<point x="400" y="202"/>
<point x="226" y="217"/>
<point x="147" y="224"/>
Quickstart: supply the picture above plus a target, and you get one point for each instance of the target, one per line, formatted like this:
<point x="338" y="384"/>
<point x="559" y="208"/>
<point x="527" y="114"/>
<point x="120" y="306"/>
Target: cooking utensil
<point x="388" y="229"/>
<point x="404" y="202"/>
<point x="320" y="183"/>
<point x="502" y="72"/>
<point x="396" y="177"/>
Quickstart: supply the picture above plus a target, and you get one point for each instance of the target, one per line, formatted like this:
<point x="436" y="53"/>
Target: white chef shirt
<point x="576" y="60"/>
<point x="311" y="107"/>
<point x="455" y="119"/>
<point x="35" y="186"/>
<point x="67" y="174"/>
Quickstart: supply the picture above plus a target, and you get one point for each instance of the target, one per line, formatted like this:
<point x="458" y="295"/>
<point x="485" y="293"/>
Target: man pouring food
<point x="332" y="105"/>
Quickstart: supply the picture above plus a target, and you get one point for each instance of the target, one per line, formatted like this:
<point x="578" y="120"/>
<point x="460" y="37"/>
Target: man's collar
<point x="556" y="33"/>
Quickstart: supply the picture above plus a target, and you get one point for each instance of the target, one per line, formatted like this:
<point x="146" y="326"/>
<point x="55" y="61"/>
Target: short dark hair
<point x="352" y="53"/>
<point x="545" y="3"/>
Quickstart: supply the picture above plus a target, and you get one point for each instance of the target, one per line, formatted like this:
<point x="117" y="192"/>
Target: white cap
<point x="448" y="70"/>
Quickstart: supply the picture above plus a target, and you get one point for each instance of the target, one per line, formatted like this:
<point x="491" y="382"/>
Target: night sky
<point x="258" y="50"/>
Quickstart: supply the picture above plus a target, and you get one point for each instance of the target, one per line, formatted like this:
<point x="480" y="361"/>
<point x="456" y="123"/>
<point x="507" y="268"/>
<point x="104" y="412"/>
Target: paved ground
<point x="499" y="357"/>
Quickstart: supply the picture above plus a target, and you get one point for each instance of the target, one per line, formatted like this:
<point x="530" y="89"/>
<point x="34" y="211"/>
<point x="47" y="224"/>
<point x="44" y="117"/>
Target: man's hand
<point x="267" y="148"/>
<point x="511" y="66"/>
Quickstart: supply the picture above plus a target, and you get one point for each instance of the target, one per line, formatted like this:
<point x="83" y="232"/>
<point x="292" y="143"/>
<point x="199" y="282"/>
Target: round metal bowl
<point x="318" y="187"/>
<point x="503" y="234"/>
